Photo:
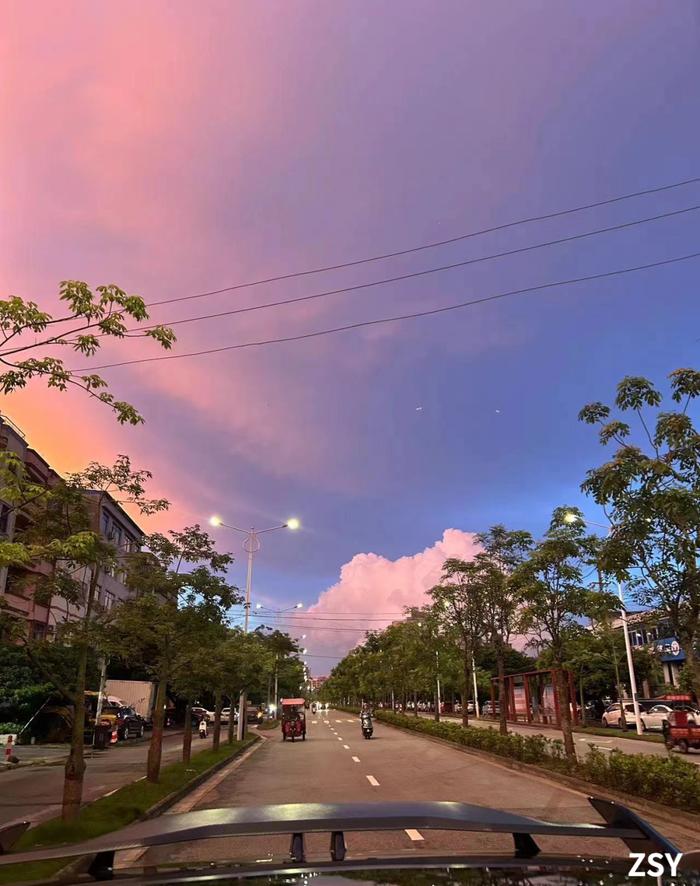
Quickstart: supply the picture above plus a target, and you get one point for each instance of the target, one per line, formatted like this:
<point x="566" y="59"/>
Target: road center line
<point x="414" y="834"/>
<point x="356" y="759"/>
<point x="347" y="747"/>
<point x="372" y="780"/>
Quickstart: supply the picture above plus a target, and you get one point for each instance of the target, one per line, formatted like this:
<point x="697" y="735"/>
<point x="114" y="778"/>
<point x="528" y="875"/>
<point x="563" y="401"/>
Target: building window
<point x="108" y="600"/>
<point x="106" y="523"/>
<point x="4" y="517"/>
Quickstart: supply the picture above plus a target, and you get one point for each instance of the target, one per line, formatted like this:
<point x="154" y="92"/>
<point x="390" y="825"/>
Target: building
<point x="315" y="683"/>
<point x="17" y="596"/>
<point x="652" y="630"/>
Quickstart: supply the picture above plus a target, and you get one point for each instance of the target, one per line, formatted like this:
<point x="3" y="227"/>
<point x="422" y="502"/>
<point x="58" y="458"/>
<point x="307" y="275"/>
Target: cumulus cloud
<point x="379" y="589"/>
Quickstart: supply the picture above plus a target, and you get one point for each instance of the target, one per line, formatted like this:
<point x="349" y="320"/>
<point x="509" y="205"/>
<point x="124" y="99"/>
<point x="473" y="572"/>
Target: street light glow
<point x="298" y="605"/>
<point x="258" y="606"/>
<point x="293" y="523"/>
<point x="215" y="521"/>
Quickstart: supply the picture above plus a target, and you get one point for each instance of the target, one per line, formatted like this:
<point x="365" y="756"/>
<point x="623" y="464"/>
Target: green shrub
<point x="670" y="780"/>
<point x="10" y="728"/>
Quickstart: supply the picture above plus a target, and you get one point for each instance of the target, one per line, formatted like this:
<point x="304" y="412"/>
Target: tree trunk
<point x="466" y="677"/>
<point x="231" y="730"/>
<point x="692" y="662"/>
<point x="565" y="713"/>
<point x="75" y="764"/>
<point x="618" y="685"/>
<point x="583" y="705"/>
<point x="187" y="735"/>
<point x="155" y="748"/>
<point x="502" y="706"/>
<point x="437" y="706"/>
<point x="216" y="740"/>
<point x="415" y="704"/>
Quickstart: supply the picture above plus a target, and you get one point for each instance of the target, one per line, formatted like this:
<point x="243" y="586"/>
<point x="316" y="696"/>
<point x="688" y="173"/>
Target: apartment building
<point x="17" y="596"/>
<point x="652" y="630"/>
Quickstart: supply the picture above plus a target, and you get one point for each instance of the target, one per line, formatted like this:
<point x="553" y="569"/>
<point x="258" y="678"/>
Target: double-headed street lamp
<point x="609" y="528"/>
<point x="251" y="545"/>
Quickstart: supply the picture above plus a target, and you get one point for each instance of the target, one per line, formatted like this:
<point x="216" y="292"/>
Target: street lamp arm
<point x="235" y="528"/>
<point x="271" y="528"/>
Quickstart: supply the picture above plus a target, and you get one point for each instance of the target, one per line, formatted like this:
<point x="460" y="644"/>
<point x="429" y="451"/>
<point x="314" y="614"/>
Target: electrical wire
<point x="414" y="274"/>
<point x="501" y="227"/>
<point x="398" y="317"/>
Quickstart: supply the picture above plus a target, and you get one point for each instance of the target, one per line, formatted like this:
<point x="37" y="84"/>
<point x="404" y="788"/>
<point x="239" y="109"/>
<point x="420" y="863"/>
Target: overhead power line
<point x="433" y="244"/>
<point x="425" y="272"/>
<point x="399" y="317"/>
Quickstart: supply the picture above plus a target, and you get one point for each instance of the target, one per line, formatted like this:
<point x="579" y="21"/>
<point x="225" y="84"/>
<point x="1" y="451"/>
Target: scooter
<point x="203" y="727"/>
<point x="367" y="728"/>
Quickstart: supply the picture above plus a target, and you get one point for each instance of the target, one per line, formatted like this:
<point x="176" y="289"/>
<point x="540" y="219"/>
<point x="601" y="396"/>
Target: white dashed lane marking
<point x="339" y="738"/>
<point x="347" y="747"/>
<point x="356" y="759"/>
<point x="373" y="781"/>
<point x="414" y="835"/>
<point x="338" y="721"/>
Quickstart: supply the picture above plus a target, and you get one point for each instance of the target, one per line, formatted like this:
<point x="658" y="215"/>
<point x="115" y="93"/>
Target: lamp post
<point x="251" y="545"/>
<point x="574" y="518"/>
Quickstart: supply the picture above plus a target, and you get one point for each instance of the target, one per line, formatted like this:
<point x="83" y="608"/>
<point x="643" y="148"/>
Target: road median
<point x="136" y="801"/>
<point x="656" y="784"/>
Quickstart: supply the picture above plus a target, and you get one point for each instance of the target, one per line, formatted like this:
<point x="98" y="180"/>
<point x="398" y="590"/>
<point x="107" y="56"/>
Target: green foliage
<point x="87" y="319"/>
<point x="650" y="490"/>
<point x="10" y="728"/>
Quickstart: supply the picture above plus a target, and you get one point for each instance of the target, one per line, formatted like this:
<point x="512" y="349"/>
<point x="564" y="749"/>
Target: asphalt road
<point x="336" y="764"/>
<point x="34" y="792"/>
<point x="602" y="742"/>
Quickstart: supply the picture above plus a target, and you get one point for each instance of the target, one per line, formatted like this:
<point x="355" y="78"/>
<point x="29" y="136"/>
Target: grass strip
<point x="124" y="806"/>
<point x="620" y="733"/>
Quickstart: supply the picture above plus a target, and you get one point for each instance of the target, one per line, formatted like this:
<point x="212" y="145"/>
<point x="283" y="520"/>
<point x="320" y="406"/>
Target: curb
<point x="668" y="814"/>
<point x="80" y="865"/>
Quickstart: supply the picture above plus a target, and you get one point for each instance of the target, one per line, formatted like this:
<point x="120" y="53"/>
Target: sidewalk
<point x="603" y="743"/>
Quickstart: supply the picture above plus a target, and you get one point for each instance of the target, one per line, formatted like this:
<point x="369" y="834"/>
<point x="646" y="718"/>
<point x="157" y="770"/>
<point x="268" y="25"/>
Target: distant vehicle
<point x="128" y="724"/>
<point x="613" y="715"/>
<point x="225" y="716"/>
<point x="657" y="715"/>
<point x="199" y="712"/>
<point x="490" y="709"/>
<point x="137" y="694"/>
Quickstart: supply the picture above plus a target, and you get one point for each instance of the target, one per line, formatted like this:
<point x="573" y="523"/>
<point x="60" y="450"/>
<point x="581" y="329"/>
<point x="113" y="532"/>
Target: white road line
<point x="349" y="721"/>
<point x="338" y="721"/>
<point x="356" y="759"/>
<point x="372" y="780"/>
<point x="347" y="747"/>
<point x="414" y="834"/>
<point x="339" y="738"/>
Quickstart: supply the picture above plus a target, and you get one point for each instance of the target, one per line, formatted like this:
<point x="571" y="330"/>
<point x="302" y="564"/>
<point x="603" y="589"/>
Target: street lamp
<point x="251" y="545"/>
<point x="571" y="517"/>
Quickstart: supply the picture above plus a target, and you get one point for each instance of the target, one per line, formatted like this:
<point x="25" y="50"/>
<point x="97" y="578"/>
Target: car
<point x="656" y="716"/>
<point x="198" y="711"/>
<point x="470" y="707"/>
<point x="612" y="716"/>
<point x="127" y="723"/>
<point x="225" y="716"/>
<point x="490" y="709"/>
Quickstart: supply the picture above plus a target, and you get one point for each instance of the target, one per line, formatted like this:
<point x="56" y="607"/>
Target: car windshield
<point x="349" y="429"/>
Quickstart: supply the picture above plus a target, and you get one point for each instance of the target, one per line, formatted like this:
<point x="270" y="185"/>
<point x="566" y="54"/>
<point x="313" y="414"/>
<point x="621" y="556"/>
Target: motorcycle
<point x="203" y="727"/>
<point x="367" y="728"/>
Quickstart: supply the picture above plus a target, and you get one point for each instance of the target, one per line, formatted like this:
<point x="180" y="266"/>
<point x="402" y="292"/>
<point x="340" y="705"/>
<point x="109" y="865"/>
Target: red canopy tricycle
<point x="681" y="732"/>
<point x="293" y="719"/>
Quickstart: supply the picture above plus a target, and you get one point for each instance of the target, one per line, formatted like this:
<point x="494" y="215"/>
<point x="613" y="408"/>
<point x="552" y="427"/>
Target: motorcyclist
<point x="366" y="719"/>
<point x="203" y="726"/>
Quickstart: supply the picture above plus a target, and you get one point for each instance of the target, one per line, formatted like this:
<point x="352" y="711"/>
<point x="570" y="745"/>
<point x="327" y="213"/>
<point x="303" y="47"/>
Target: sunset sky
<point x="178" y="147"/>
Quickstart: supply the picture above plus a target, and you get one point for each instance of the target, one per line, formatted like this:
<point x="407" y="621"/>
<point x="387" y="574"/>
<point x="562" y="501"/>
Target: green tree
<point x="30" y="337"/>
<point x="651" y="492"/>
<point x="555" y="599"/>
<point x="503" y="551"/>
<point x="154" y="626"/>
<point x="62" y="531"/>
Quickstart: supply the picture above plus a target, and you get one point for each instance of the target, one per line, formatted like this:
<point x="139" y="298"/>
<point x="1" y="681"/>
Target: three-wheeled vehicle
<point x="293" y="719"/>
<point x="680" y="732"/>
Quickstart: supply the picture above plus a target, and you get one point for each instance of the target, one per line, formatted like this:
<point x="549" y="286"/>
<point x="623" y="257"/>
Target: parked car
<point x="490" y="709"/>
<point x="127" y="722"/>
<point x="225" y="716"/>
<point x="657" y="715"/>
<point x="200" y="712"/>
<point x="470" y="707"/>
<point x="612" y="716"/>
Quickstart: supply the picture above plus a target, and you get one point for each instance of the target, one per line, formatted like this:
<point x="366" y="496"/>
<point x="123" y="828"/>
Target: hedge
<point x="669" y="780"/>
